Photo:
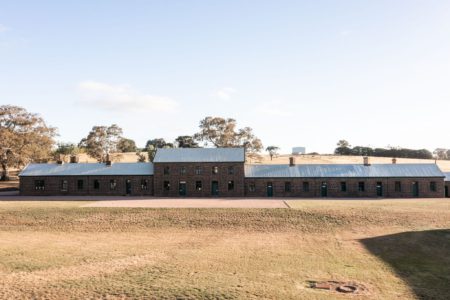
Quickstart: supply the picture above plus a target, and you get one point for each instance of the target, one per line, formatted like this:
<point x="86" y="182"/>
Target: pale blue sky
<point x="300" y="73"/>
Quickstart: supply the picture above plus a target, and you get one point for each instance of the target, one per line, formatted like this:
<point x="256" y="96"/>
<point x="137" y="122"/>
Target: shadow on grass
<point x="421" y="259"/>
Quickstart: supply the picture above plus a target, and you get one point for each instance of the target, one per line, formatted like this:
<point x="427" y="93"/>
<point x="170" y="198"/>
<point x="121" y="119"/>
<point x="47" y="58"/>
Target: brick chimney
<point x="394" y="161"/>
<point x="73" y="159"/>
<point x="291" y="161"/>
<point x="108" y="161"/>
<point x="366" y="161"/>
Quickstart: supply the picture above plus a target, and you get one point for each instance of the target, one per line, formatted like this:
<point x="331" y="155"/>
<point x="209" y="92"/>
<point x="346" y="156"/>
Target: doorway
<point x="128" y="187"/>
<point x="379" y="189"/>
<point x="269" y="189"/>
<point x="415" y="189"/>
<point x="324" y="189"/>
<point x="446" y="192"/>
<point x="215" y="188"/>
<point x="182" y="188"/>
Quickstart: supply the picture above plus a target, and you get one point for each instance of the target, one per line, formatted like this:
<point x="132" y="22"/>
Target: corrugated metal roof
<point x="336" y="170"/>
<point x="200" y="155"/>
<point x="87" y="169"/>
<point x="447" y="176"/>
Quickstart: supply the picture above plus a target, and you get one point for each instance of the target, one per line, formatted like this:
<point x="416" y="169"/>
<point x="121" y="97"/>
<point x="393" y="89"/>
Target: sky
<point x="300" y="73"/>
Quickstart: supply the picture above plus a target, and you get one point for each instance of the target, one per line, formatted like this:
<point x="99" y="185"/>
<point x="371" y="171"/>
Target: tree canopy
<point x="186" y="141"/>
<point x="25" y="137"/>
<point x="273" y="150"/>
<point x="126" y="145"/>
<point x="101" y="141"/>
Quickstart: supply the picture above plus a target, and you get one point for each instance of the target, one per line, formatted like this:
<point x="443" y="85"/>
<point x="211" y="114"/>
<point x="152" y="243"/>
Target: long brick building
<point x="222" y="172"/>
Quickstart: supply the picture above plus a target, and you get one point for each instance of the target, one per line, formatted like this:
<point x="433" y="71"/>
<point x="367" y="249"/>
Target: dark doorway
<point x="182" y="188"/>
<point x="269" y="189"/>
<point x="215" y="188"/>
<point x="379" y="189"/>
<point x="446" y="192"/>
<point x="128" y="187"/>
<point x="324" y="189"/>
<point x="415" y="189"/>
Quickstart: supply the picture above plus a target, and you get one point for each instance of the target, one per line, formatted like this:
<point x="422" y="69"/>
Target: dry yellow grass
<point x="56" y="250"/>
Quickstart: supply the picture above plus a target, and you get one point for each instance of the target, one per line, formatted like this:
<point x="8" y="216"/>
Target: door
<point x="269" y="189"/>
<point x="215" y="188"/>
<point x="324" y="189"/>
<point x="446" y="192"/>
<point x="182" y="188"/>
<point x="415" y="189"/>
<point x="128" y="187"/>
<point x="379" y="189"/>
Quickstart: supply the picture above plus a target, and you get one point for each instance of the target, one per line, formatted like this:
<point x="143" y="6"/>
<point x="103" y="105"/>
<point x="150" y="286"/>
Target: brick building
<point x="81" y="179"/>
<point x="447" y="185"/>
<point x="222" y="172"/>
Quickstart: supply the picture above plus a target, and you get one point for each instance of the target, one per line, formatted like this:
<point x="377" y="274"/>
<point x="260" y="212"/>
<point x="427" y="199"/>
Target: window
<point x="198" y="185"/>
<point x="144" y="184"/>
<point x="166" y="185"/>
<point x="230" y="185"/>
<point x="343" y="186"/>
<point x="251" y="187"/>
<point x="361" y="186"/>
<point x="433" y="186"/>
<point x="166" y="170"/>
<point x="215" y="170"/>
<point x="287" y="187"/>
<point x="183" y="171"/>
<point x="96" y="184"/>
<point x="198" y="170"/>
<point x="112" y="184"/>
<point x="39" y="185"/>
<point x="80" y="184"/>
<point x="398" y="186"/>
<point x="306" y="186"/>
<point x="230" y="170"/>
<point x="64" y="185"/>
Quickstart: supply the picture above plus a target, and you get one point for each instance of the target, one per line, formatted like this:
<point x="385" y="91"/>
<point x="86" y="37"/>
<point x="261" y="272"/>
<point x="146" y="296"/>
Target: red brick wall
<point x="334" y="187"/>
<point x="53" y="185"/>
<point x="206" y="178"/>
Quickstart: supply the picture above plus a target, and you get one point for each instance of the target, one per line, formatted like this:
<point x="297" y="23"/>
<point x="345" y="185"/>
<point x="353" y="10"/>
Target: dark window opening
<point x="64" y="185"/>
<point x="287" y="187"/>
<point x="144" y="184"/>
<point x="39" y="185"/>
<point x="112" y="184"/>
<point x="198" y="185"/>
<point x="306" y="186"/>
<point x="230" y="170"/>
<point x="433" y="187"/>
<point x="343" y="186"/>
<point x="166" y="185"/>
<point x="96" y="184"/>
<point x="398" y="186"/>
<point x="230" y="185"/>
<point x="198" y="170"/>
<point x="251" y="187"/>
<point x="361" y="186"/>
<point x="80" y="184"/>
<point x="166" y="170"/>
<point x="183" y="171"/>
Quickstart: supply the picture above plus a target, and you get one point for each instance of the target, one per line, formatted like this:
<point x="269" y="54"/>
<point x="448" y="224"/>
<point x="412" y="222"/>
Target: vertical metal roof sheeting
<point x="87" y="169"/>
<point x="349" y="170"/>
<point x="164" y="155"/>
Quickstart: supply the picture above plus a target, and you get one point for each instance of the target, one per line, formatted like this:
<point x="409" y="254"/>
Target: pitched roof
<point x="447" y="176"/>
<point x="200" y="155"/>
<point x="87" y="169"/>
<point x="337" y="170"/>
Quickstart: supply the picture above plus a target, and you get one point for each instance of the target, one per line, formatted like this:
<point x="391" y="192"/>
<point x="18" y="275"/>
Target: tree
<point x="64" y="150"/>
<point x="186" y="141"/>
<point x="141" y="156"/>
<point x="25" y="138"/>
<point x="152" y="145"/>
<point x="441" y="153"/>
<point x="273" y="150"/>
<point x="343" y="148"/>
<point x="221" y="132"/>
<point x="101" y="141"/>
<point x="126" y="145"/>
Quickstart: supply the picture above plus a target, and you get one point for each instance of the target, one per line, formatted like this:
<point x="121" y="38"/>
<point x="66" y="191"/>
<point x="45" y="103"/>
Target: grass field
<point x="59" y="250"/>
